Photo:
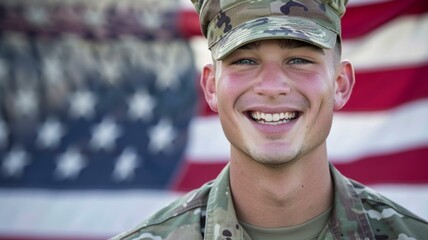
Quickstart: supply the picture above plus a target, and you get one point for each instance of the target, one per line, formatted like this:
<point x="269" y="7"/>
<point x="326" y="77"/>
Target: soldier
<point x="276" y="78"/>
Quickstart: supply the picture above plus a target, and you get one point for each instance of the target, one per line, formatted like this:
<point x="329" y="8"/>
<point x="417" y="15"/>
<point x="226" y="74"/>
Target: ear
<point x="208" y="85"/>
<point x="344" y="83"/>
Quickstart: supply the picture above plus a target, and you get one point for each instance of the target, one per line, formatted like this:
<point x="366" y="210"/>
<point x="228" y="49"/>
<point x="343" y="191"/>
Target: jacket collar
<point x="221" y="220"/>
<point x="348" y="214"/>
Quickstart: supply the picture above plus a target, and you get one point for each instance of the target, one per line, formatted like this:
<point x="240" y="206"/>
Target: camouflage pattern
<point x="208" y="213"/>
<point x="229" y="24"/>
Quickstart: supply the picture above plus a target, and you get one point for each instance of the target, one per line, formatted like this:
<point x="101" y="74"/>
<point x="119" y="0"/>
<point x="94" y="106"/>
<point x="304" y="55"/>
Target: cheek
<point x="314" y="86"/>
<point x="231" y="87"/>
<point x="225" y="96"/>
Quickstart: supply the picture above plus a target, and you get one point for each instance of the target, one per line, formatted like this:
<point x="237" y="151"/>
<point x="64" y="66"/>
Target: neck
<point x="281" y="196"/>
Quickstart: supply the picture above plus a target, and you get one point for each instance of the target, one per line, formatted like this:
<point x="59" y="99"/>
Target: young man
<point x="276" y="79"/>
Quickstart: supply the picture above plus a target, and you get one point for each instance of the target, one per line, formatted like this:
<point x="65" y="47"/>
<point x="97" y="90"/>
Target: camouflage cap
<point x="229" y="24"/>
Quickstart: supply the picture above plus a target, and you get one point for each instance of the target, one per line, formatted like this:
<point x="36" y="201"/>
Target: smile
<point x="273" y="118"/>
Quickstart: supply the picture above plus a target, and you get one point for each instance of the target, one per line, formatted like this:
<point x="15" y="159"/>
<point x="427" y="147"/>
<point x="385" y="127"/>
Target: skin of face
<point x="298" y="83"/>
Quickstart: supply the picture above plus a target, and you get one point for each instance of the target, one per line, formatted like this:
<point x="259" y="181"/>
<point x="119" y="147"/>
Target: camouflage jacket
<point x="208" y="213"/>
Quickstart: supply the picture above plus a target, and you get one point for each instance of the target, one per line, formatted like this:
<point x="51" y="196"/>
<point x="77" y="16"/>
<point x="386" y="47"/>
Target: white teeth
<point x="274" y="118"/>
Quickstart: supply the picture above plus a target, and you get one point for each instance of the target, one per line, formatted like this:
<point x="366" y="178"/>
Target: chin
<point x="275" y="160"/>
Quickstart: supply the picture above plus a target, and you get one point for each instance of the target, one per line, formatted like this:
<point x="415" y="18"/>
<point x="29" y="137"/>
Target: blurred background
<point x="102" y="121"/>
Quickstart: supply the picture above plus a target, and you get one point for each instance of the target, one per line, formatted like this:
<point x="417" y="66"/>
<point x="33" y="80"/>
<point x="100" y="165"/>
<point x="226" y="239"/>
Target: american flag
<point x="102" y="122"/>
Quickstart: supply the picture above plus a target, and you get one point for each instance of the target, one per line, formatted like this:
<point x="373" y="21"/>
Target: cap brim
<point x="274" y="27"/>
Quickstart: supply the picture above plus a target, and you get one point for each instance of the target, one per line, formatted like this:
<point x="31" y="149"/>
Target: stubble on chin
<point x="278" y="161"/>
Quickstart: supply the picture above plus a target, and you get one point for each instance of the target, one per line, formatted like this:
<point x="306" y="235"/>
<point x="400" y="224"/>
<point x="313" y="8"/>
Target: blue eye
<point x="245" y="62"/>
<point x="299" y="61"/>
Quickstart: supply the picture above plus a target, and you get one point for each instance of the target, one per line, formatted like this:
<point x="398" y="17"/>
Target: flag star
<point x="69" y="164"/>
<point x="167" y="79"/>
<point x="111" y="70"/>
<point x="150" y="19"/>
<point x="4" y="132"/>
<point x="170" y="62"/>
<point x="161" y="136"/>
<point x="166" y="67"/>
<point x="126" y="165"/>
<point x="52" y="70"/>
<point x="141" y="105"/>
<point x="15" y="162"/>
<point x="82" y="104"/>
<point x="50" y="133"/>
<point x="104" y="134"/>
<point x="26" y="102"/>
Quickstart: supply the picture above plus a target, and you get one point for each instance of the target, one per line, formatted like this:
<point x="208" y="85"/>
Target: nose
<point x="272" y="81"/>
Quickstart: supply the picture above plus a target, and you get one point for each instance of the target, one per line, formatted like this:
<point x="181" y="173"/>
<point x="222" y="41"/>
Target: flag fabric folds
<point x="96" y="98"/>
<point x="102" y="122"/>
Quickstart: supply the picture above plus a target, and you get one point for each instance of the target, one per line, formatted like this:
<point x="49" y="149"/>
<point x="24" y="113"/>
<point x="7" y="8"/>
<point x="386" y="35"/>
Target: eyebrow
<point x="285" y="44"/>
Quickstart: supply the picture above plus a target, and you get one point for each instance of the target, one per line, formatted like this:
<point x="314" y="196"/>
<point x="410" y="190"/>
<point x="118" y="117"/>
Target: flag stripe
<point x="388" y="47"/>
<point x="402" y="167"/>
<point x="362" y="134"/>
<point x="377" y="14"/>
<point x="76" y="214"/>
<point x="113" y="216"/>
<point x="382" y="90"/>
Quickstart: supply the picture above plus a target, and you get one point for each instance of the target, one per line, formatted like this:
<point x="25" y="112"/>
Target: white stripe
<point x="398" y="43"/>
<point x="356" y="135"/>
<point x="102" y="214"/>
<point x="98" y="214"/>
<point x="353" y="135"/>
<point x="186" y="5"/>
<point x="199" y="46"/>
<point x="412" y="197"/>
<point x="207" y="141"/>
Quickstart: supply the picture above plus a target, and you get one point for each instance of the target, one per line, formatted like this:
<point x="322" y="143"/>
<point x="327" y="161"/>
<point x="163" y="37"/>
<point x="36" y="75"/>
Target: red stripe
<point x="409" y="167"/>
<point x="188" y="24"/>
<point x="360" y="20"/>
<point x="195" y="174"/>
<point x="381" y="90"/>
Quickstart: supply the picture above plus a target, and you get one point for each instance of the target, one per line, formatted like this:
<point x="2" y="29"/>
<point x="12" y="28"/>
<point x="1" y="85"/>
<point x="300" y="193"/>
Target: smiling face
<point x="275" y="98"/>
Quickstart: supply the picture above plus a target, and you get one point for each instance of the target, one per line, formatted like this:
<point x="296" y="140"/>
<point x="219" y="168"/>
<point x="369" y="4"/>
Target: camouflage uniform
<point x="208" y="213"/>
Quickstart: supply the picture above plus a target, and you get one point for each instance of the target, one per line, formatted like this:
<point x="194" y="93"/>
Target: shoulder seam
<point x="398" y="208"/>
<point x="192" y="205"/>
